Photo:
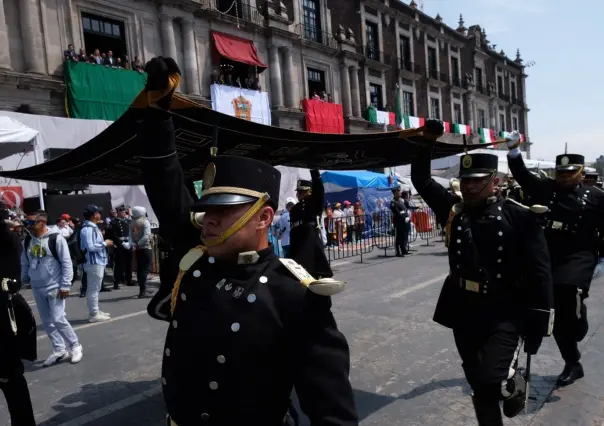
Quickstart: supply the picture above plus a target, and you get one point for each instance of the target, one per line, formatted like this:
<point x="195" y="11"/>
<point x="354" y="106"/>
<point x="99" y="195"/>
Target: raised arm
<point x="530" y="183"/>
<point x="433" y="193"/>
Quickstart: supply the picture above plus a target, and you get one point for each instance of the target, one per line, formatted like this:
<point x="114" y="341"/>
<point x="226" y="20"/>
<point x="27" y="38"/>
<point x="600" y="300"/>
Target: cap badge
<point x="564" y="161"/>
<point x="209" y="175"/>
<point x="466" y="162"/>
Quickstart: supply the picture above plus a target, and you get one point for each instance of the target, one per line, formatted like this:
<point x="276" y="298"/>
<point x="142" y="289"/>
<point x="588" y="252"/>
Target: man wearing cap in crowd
<point x="574" y="226"/>
<point x="306" y="243"/>
<point x="499" y="288"/>
<point x="119" y="232"/>
<point x="400" y="219"/>
<point x="591" y="179"/>
<point x="244" y="328"/>
<point x="284" y="227"/>
<point x="94" y="247"/>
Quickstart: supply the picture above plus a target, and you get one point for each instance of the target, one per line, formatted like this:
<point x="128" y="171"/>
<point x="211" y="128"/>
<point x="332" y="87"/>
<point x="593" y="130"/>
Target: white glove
<point x="126" y="246"/>
<point x="407" y="220"/>
<point x="513" y="139"/>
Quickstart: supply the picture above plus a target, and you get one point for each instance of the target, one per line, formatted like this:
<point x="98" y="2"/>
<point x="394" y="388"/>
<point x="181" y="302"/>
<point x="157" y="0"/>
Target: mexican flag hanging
<point x="461" y="129"/>
<point x="410" y="122"/>
<point x="487" y="135"/>
<point x="504" y="135"/>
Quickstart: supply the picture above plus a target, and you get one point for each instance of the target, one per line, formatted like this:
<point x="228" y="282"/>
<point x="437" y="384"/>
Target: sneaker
<point x="105" y="314"/>
<point x="98" y="318"/>
<point x="76" y="354"/>
<point x="55" y="358"/>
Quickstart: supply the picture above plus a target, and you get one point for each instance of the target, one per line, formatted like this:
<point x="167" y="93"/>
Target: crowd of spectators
<point x="227" y="77"/>
<point x="103" y="59"/>
<point x="321" y="96"/>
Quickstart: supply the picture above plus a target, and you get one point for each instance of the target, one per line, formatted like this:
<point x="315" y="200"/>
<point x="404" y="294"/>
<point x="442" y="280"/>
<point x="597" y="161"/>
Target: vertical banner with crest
<point x="250" y="105"/>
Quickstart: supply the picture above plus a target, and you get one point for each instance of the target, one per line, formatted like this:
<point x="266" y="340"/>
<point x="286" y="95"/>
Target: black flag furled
<point x="111" y="158"/>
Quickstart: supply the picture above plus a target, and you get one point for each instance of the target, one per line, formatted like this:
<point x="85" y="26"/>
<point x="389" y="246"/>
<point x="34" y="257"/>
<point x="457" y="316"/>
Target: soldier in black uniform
<point x="243" y="331"/>
<point x="576" y="214"/>
<point x="119" y="231"/>
<point x="17" y="329"/>
<point x="591" y="179"/>
<point x="306" y="244"/>
<point x="400" y="218"/>
<point x="499" y="288"/>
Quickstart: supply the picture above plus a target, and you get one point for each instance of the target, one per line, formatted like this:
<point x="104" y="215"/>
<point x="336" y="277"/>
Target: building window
<point x="479" y="85"/>
<point x="371" y="34"/>
<point x="502" y="122"/>
<point x="515" y="123"/>
<point x="408" y="103"/>
<point x="457" y="114"/>
<point x="482" y="119"/>
<point x="434" y="109"/>
<point x="455" y="71"/>
<point x="513" y="94"/>
<point x="316" y="82"/>
<point x="406" y="60"/>
<point x="375" y="95"/>
<point x="105" y="34"/>
<point x="500" y="85"/>
<point x="312" y="20"/>
<point x="432" y="63"/>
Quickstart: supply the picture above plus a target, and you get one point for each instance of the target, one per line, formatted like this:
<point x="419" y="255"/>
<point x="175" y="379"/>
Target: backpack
<point x="52" y="245"/>
<point x="75" y="246"/>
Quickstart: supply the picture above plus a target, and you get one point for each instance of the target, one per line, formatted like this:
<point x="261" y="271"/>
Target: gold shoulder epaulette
<point x="323" y="287"/>
<point x="457" y="208"/>
<point x="185" y="264"/>
<point x="536" y="208"/>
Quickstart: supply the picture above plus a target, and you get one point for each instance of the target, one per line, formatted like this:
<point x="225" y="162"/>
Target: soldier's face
<point x="568" y="178"/>
<point x="477" y="189"/>
<point x="252" y="236"/>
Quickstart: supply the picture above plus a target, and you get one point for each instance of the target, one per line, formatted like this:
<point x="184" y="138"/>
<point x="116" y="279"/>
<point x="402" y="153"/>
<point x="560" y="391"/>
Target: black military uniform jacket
<point x="306" y="244"/>
<point x="399" y="212"/>
<point x="574" y="225"/>
<point x="498" y="259"/>
<point x="119" y="230"/>
<point x="243" y="333"/>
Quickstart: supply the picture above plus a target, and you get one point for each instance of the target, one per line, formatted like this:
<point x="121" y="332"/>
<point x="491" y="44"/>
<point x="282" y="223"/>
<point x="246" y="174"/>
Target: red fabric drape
<point x="323" y="117"/>
<point x="237" y="49"/>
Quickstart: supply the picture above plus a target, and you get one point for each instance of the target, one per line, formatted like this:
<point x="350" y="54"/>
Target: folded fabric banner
<point x="461" y="129"/>
<point x="250" y="105"/>
<point x="487" y="135"/>
<point x="323" y="117"/>
<point x="385" y="117"/>
<point x="113" y="156"/>
<point x="410" y="122"/>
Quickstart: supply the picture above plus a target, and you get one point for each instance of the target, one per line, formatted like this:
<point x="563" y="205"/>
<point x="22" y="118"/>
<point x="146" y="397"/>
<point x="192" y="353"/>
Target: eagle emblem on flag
<point x="242" y="108"/>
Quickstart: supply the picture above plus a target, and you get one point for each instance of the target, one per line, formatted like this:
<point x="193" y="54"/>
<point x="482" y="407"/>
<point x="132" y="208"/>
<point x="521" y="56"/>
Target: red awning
<point x="237" y="49"/>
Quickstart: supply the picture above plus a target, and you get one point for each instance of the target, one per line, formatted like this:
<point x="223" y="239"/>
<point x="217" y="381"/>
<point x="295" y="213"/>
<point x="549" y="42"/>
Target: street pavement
<point x="405" y="368"/>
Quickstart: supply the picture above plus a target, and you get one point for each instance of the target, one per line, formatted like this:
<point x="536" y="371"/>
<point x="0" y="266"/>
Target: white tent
<point x="17" y="138"/>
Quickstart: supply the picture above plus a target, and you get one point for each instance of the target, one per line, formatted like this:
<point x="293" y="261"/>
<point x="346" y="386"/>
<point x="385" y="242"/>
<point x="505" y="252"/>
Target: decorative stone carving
<point x="283" y="10"/>
<point x="469" y="80"/>
<point x="351" y="36"/>
<point x="341" y="34"/>
<point x="438" y="18"/>
<point x="461" y="28"/>
<point x="413" y="4"/>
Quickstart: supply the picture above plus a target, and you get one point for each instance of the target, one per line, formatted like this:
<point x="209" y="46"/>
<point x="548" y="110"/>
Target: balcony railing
<point x="410" y="66"/>
<point x="455" y="81"/>
<point x="433" y="73"/>
<point x="314" y="34"/>
<point x="375" y="55"/>
<point x="480" y="87"/>
<point x="504" y="97"/>
<point x="517" y="101"/>
<point x="237" y="11"/>
<point x="444" y="77"/>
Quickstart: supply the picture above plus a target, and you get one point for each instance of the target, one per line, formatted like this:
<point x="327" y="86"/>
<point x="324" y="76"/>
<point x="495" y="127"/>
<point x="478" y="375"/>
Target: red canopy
<point x="237" y="49"/>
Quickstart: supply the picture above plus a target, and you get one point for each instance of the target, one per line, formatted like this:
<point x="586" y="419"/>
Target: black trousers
<point x="16" y="392"/>
<point x="570" y="321"/>
<point x="487" y="356"/>
<point x="143" y="265"/>
<point x="122" y="272"/>
<point x="401" y="237"/>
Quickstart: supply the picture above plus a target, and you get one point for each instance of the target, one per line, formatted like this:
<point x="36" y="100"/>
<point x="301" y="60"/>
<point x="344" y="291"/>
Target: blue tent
<point x="354" y="179"/>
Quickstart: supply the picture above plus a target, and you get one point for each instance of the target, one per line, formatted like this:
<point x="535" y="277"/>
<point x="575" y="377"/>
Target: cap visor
<point x="569" y="168"/>
<point x="474" y="175"/>
<point x="302" y="188"/>
<point x="215" y="200"/>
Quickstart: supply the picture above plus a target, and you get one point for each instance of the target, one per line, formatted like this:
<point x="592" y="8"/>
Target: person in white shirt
<point x="349" y="214"/>
<point x="64" y="228"/>
<point x="284" y="227"/>
<point x="339" y="222"/>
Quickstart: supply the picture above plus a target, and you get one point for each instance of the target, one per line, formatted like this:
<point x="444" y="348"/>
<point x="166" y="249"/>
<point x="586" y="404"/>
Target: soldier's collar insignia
<point x="209" y="175"/>
<point x="466" y="162"/>
<point x="248" y="258"/>
<point x="564" y="161"/>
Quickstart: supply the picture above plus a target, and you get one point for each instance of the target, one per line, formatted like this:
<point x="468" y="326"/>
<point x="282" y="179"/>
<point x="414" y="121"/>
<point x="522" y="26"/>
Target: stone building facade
<point x="358" y="51"/>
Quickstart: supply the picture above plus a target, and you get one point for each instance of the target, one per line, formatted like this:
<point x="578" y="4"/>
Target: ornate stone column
<point x="275" y="76"/>
<point x="355" y="92"/>
<point x="345" y="76"/>
<point x="4" y="50"/>
<point x="190" y="57"/>
<point x="292" y="91"/>
<point x="31" y="33"/>
<point x="471" y="114"/>
<point x="168" y="39"/>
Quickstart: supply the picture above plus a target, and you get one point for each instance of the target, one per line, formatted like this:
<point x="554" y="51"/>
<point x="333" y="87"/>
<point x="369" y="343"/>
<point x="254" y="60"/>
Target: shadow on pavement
<point x="94" y="396"/>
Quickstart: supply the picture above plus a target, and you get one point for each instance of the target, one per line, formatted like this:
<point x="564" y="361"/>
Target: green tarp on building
<point x="97" y="92"/>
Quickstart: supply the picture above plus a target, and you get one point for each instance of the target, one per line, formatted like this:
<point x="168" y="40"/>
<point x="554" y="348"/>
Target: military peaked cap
<point x="569" y="162"/>
<point x="478" y="165"/>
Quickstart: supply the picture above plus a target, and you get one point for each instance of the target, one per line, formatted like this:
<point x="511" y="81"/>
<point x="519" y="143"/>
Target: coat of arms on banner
<point x="242" y="108"/>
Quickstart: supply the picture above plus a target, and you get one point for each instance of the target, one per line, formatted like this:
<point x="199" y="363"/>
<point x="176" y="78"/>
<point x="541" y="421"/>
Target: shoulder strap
<point x="52" y="245"/>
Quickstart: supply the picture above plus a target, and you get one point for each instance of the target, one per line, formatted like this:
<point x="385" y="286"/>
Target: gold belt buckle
<point x="472" y="286"/>
<point x="557" y="225"/>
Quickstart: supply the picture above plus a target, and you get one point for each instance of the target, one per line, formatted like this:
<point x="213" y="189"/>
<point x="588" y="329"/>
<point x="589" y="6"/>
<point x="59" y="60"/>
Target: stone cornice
<point x="32" y="81"/>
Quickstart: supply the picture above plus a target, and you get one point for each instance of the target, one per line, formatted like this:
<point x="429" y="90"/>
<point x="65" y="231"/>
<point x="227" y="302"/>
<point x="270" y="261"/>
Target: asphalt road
<point x="405" y="368"/>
